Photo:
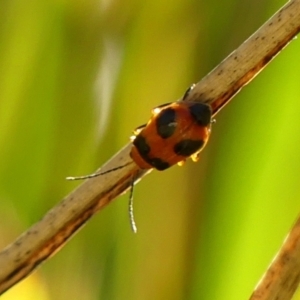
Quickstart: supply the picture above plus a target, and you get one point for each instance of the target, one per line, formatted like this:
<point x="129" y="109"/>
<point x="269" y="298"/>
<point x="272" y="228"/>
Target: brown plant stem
<point x="283" y="275"/>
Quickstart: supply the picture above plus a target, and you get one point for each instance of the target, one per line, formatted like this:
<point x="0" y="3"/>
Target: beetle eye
<point x="201" y="113"/>
<point x="166" y="123"/>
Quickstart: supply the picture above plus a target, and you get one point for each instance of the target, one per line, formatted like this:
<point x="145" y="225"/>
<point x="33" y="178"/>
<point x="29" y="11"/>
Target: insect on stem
<point x="182" y="128"/>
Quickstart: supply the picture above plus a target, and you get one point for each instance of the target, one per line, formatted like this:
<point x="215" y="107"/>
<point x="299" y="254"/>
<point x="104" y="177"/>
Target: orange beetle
<point x="175" y="132"/>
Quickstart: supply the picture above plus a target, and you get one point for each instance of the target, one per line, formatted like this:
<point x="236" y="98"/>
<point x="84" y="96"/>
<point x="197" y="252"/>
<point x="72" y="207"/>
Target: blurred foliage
<point x="76" y="77"/>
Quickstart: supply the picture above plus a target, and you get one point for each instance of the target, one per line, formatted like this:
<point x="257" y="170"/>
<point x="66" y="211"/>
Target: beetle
<point x="175" y="132"/>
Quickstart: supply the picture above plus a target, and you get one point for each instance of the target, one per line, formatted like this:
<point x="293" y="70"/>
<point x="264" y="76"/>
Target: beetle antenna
<point x="130" y="207"/>
<point x="97" y="174"/>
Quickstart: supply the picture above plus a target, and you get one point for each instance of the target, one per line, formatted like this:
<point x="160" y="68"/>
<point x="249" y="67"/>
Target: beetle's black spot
<point x="166" y="123"/>
<point x="141" y="144"/>
<point x="201" y="113"/>
<point x="188" y="147"/>
<point x="158" y="164"/>
<point x="143" y="148"/>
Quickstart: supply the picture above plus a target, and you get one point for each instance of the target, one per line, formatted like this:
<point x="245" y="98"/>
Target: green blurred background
<point x="76" y="78"/>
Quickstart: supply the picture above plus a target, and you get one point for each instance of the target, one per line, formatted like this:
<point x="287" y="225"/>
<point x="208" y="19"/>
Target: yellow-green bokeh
<point x="76" y="78"/>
